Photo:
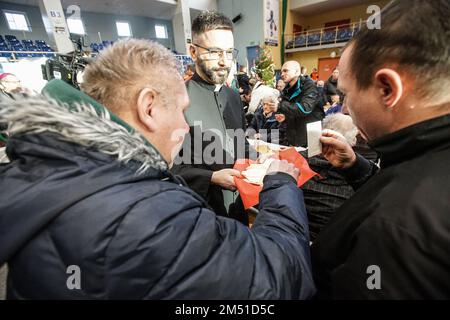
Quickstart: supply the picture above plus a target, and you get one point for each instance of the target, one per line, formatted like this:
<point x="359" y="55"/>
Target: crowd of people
<point x="131" y="182"/>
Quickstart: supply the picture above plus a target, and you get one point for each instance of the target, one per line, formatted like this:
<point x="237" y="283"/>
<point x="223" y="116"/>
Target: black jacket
<point x="243" y="81"/>
<point x="96" y="197"/>
<point x="331" y="89"/>
<point x="301" y="105"/>
<point x="398" y="221"/>
<point x="204" y="99"/>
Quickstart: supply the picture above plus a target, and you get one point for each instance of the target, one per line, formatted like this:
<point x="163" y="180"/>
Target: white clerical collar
<point x="218" y="87"/>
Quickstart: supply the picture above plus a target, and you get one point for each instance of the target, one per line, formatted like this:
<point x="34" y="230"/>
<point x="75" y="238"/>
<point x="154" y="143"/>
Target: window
<point x="123" y="29"/>
<point x="161" y="31"/>
<point x="17" y="20"/>
<point x="75" y="26"/>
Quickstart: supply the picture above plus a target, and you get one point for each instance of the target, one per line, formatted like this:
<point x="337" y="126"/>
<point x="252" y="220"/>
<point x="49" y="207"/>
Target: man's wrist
<point x="281" y="176"/>
<point x="359" y="168"/>
<point x="351" y="162"/>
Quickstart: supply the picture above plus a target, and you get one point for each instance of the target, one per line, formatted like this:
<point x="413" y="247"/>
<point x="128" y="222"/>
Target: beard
<point x="212" y="73"/>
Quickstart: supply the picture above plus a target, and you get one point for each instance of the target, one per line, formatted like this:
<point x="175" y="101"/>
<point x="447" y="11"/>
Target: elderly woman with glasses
<point x="9" y="84"/>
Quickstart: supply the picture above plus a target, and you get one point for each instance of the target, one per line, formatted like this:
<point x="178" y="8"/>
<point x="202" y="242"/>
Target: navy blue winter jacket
<point x="82" y="191"/>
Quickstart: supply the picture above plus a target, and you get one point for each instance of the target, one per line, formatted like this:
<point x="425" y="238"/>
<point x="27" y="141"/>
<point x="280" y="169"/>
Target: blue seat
<point x="314" y="38"/>
<point x="328" y="36"/>
<point x="41" y="43"/>
<point x="6" y="55"/>
<point x="300" y="41"/>
<point x="94" y="47"/>
<point x="18" y="48"/>
<point x="344" y="34"/>
<point x="10" y="37"/>
<point x="14" y="43"/>
<point x="107" y="43"/>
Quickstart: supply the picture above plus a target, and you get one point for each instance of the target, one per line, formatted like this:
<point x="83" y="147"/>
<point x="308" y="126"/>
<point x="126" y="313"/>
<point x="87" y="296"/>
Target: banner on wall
<point x="271" y="22"/>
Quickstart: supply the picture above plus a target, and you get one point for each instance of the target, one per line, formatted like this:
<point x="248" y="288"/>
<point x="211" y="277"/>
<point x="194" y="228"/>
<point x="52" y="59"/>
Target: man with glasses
<point x="215" y="111"/>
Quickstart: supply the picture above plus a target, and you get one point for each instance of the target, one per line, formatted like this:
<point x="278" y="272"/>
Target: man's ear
<point x="146" y="108"/>
<point x="193" y="52"/>
<point x="390" y="87"/>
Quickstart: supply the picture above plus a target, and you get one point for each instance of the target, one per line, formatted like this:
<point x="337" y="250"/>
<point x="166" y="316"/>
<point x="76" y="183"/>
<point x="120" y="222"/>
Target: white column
<point x="182" y="27"/>
<point x="55" y="25"/>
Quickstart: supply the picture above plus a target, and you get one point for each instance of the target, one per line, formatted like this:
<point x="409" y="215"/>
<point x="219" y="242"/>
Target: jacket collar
<point x="81" y="124"/>
<point x="295" y="90"/>
<point x="260" y="112"/>
<point x="413" y="141"/>
<point x="333" y="81"/>
<point x="199" y="80"/>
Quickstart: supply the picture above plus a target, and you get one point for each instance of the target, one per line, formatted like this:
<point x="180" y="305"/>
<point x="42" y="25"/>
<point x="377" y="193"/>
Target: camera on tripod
<point x="68" y="67"/>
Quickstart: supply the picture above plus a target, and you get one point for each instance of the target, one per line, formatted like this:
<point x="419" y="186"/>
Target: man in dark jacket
<point x="243" y="80"/>
<point x="215" y="117"/>
<point x="300" y="103"/>
<point x="391" y="239"/>
<point x="89" y="210"/>
<point x="331" y="87"/>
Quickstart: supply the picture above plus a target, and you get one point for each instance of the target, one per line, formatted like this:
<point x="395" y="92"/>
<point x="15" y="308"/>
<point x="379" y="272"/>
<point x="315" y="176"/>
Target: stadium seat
<point x="344" y="34"/>
<point x="94" y="47"/>
<point x="300" y="41"/>
<point x="10" y="38"/>
<point x="328" y="36"/>
<point x="314" y="38"/>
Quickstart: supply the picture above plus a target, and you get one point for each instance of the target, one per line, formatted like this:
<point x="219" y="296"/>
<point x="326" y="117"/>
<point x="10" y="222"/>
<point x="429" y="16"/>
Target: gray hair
<point x="343" y="124"/>
<point x="271" y="97"/>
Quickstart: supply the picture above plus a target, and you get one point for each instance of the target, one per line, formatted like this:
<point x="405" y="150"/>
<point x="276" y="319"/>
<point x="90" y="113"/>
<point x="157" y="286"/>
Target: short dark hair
<point x="414" y="35"/>
<point x="210" y="20"/>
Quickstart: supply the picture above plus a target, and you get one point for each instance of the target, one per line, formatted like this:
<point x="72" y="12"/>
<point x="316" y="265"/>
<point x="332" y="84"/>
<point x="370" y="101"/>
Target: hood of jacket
<point x="59" y="155"/>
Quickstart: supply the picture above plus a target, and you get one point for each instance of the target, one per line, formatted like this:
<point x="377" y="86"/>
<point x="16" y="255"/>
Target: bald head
<point x="293" y="65"/>
<point x="290" y="72"/>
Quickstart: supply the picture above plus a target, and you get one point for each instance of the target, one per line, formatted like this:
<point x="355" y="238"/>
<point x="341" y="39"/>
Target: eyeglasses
<point x="216" y="53"/>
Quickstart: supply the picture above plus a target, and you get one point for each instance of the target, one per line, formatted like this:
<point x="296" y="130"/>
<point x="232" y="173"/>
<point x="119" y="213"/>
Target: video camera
<point x="68" y="67"/>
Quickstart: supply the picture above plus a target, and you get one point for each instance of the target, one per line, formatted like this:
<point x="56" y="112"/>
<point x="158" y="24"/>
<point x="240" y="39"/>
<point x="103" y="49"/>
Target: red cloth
<point x="250" y="192"/>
